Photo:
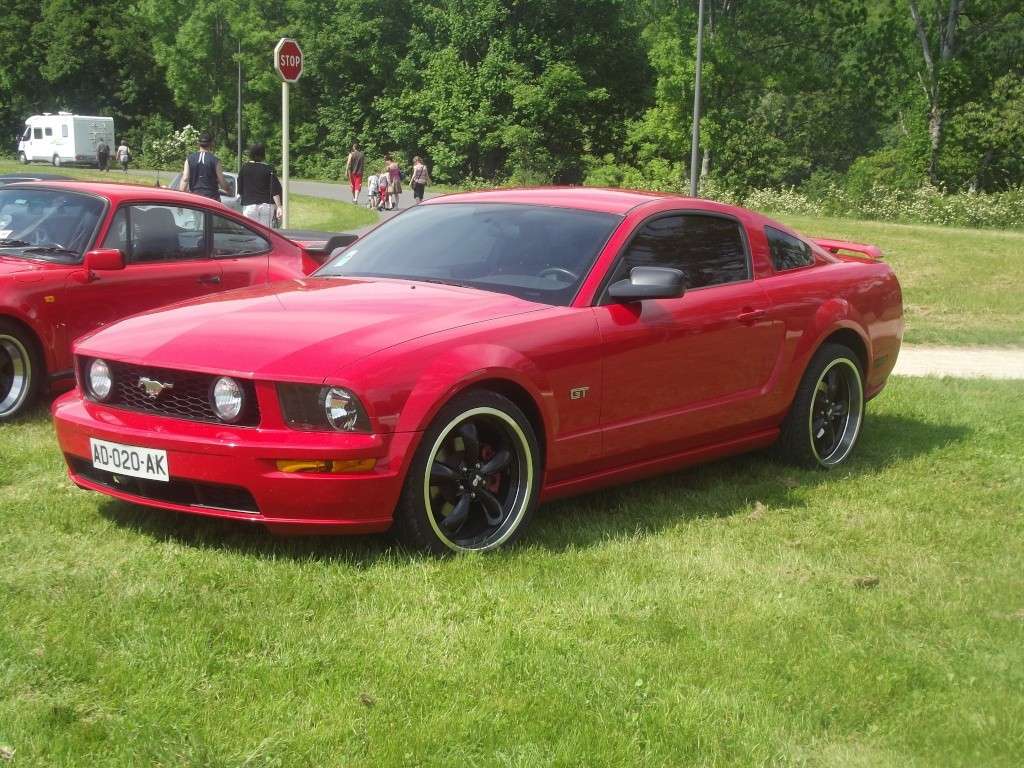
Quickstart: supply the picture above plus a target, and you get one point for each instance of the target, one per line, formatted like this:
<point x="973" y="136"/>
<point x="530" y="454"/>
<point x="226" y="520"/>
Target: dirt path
<point x="961" y="362"/>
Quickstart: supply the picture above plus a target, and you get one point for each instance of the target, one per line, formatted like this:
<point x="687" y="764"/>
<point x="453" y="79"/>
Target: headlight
<point x="100" y="381"/>
<point x="227" y="399"/>
<point x="312" y="407"/>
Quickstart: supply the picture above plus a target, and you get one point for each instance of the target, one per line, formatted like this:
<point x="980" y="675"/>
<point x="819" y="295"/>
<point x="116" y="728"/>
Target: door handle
<point x="209" y="279"/>
<point x="751" y="315"/>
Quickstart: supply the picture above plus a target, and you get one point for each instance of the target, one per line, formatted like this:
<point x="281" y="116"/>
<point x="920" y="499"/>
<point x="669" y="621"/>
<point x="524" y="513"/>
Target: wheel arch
<point x="851" y="339"/>
<point x="33" y="338"/>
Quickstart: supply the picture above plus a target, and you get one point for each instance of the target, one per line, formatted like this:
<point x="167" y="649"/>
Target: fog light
<point x="325" y="466"/>
<point x="227" y="399"/>
<point x="100" y="382"/>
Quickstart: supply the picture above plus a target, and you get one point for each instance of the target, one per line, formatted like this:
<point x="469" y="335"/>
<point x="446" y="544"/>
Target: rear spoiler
<point x="835" y="246"/>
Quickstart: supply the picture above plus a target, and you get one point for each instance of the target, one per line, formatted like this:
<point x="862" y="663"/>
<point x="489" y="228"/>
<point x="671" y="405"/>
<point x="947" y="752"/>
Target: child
<point x="383" y="197"/>
<point x="373" y="188"/>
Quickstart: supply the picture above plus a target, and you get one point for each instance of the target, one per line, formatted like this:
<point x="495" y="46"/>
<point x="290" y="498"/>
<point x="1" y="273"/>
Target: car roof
<point x="117" y="192"/>
<point x="616" y="201"/>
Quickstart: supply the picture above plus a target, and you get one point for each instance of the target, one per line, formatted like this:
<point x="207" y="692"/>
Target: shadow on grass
<point x="718" y="489"/>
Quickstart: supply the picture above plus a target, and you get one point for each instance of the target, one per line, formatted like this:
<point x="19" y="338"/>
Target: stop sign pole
<point x="288" y="63"/>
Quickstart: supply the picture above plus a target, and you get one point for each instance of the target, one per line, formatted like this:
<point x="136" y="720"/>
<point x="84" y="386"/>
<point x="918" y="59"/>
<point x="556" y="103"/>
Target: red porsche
<point x="76" y="256"/>
<point x="483" y="352"/>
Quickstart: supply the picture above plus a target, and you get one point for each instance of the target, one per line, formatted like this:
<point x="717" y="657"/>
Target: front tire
<point x="474" y="482"/>
<point x="23" y="158"/>
<point x="20" y="371"/>
<point x="56" y="161"/>
<point x="824" y="422"/>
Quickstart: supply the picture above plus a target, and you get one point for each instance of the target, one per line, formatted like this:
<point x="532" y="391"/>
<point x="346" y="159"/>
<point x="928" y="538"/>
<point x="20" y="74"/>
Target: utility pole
<point x="695" y="139"/>
<point x="239" y="169"/>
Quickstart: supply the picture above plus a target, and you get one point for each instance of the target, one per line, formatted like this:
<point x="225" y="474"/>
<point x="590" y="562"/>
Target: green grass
<point x="960" y="286"/>
<point x="710" y="617"/>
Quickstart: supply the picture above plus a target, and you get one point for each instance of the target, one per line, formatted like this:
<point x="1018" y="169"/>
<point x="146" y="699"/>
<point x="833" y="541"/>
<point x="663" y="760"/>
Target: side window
<point x="231" y="239"/>
<point x="165" y="233"/>
<point x="64" y="131"/>
<point x="709" y="250"/>
<point x="49" y="131"/>
<point x="788" y="252"/>
<point x="37" y="133"/>
<point x="117" y="235"/>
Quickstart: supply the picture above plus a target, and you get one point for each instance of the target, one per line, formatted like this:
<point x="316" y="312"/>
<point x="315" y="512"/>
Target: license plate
<point x="147" y="463"/>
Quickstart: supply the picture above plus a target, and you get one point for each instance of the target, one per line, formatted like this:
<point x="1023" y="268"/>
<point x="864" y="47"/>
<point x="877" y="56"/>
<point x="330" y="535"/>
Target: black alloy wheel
<point x="824" y="422"/>
<point x="475" y="480"/>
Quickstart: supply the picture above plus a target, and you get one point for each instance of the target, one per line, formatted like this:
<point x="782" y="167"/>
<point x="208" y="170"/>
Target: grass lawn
<point x="960" y="286"/>
<point x="726" y="615"/>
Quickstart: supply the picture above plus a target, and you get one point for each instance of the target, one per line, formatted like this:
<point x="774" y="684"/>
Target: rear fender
<point x="833" y="315"/>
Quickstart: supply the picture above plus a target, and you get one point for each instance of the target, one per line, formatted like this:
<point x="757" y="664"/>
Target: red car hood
<point x="299" y="330"/>
<point x="10" y="265"/>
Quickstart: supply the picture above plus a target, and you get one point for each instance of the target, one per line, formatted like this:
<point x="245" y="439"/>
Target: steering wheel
<point x="552" y="271"/>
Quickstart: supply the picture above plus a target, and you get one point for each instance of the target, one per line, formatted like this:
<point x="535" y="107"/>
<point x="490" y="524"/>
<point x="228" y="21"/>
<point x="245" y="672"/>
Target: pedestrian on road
<point x="202" y="174"/>
<point x="259" y="189"/>
<point x="103" y="155"/>
<point x="395" y="179"/>
<point x="123" y="155"/>
<point x="420" y="178"/>
<point x="354" y="171"/>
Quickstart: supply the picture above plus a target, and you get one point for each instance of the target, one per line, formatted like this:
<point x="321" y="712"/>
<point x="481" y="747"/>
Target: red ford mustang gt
<point x="76" y="256"/>
<point x="483" y="352"/>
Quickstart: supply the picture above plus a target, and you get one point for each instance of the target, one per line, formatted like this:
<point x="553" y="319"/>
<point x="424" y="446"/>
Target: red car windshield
<point x="47" y="223"/>
<point x="537" y="253"/>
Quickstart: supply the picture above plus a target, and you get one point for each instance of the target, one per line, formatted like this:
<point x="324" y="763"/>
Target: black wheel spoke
<point x="455" y="520"/>
<point x="832" y="382"/>
<point x="442" y="473"/>
<point x="492" y="507"/>
<point x="470" y="442"/>
<point x="497" y="463"/>
<point x="817" y="428"/>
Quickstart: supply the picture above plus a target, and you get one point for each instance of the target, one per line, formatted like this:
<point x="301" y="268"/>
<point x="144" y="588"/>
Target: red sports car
<point x="483" y="352"/>
<point x="76" y="256"/>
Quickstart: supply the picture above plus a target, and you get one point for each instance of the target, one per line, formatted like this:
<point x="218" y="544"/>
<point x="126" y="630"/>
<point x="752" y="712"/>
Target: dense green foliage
<point x="797" y="92"/>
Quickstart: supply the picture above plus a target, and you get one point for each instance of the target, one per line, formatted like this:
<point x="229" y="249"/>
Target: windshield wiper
<point x="13" y="243"/>
<point x="49" y="249"/>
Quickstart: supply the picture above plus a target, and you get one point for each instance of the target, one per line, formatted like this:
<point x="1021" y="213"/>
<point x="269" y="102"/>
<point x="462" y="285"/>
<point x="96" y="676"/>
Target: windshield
<point x="47" y="223"/>
<point x="538" y="253"/>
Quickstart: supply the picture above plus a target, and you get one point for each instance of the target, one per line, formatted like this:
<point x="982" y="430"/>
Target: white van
<point x="64" y="138"/>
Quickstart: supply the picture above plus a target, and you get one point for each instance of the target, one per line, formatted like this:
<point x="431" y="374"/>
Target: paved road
<point x="961" y="362"/>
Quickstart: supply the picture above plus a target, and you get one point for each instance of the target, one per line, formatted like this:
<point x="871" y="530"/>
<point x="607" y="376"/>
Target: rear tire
<point x="20" y="371"/>
<point x="450" y="501"/>
<point x="825" y="419"/>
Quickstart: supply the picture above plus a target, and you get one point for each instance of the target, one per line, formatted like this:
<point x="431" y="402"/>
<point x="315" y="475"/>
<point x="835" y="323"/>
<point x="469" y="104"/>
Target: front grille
<point x="187" y="398"/>
<point x="186" y="493"/>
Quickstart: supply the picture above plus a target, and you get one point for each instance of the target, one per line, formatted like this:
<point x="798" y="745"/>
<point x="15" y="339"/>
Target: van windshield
<point x="47" y="223"/>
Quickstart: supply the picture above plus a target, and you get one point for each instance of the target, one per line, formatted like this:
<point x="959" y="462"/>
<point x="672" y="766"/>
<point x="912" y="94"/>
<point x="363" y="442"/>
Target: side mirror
<point x="649" y="283"/>
<point x="104" y="260"/>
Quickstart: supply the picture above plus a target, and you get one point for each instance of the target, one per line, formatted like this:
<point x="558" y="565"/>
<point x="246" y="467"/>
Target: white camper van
<point x="64" y="138"/>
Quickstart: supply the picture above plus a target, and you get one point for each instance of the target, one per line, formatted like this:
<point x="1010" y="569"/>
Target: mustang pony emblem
<point x="152" y="387"/>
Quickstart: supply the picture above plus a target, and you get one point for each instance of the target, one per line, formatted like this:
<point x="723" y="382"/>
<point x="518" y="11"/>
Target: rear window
<point x="788" y="252"/>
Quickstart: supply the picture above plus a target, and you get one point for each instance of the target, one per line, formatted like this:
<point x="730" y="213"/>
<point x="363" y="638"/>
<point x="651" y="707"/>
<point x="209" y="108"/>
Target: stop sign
<point x="288" y="59"/>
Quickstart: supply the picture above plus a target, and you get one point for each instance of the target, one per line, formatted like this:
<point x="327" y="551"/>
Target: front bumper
<point x="230" y="472"/>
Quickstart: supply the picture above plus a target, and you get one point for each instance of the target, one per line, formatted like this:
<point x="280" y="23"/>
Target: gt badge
<point x="578" y="393"/>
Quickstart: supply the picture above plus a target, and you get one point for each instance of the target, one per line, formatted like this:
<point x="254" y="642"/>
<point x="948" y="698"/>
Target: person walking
<point x="202" y="174"/>
<point x="395" y="180"/>
<point x="354" y="171"/>
<point x="420" y="178"/>
<point x="123" y="155"/>
<point x="259" y="189"/>
<point x="103" y="155"/>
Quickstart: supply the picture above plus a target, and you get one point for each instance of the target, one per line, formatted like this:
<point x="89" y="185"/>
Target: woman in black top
<point x="259" y="189"/>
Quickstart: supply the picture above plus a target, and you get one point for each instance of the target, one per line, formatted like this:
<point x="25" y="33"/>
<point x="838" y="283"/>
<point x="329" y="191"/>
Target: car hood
<point x="297" y="330"/>
<point x="10" y="265"/>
